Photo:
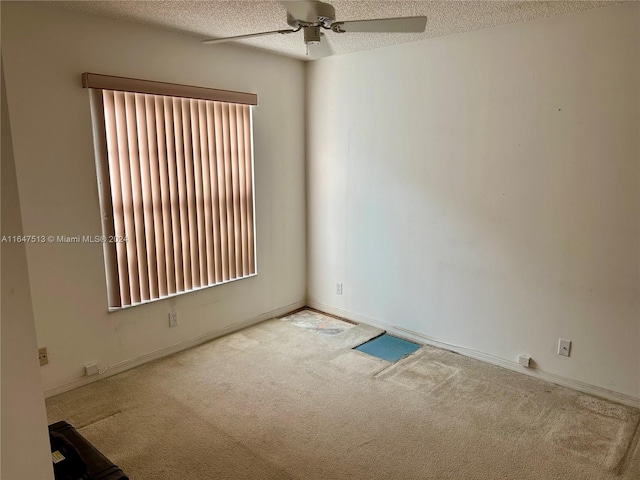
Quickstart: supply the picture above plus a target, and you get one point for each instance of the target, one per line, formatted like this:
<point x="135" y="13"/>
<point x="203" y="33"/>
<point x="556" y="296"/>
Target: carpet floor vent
<point x="388" y="347"/>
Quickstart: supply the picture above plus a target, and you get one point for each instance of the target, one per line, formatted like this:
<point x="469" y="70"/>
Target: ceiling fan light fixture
<point x="311" y="35"/>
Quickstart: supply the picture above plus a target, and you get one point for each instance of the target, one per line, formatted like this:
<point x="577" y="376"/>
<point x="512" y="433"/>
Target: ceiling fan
<point x="312" y="16"/>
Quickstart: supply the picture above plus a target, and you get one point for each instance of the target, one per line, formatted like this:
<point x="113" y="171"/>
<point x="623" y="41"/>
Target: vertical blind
<point x="180" y="206"/>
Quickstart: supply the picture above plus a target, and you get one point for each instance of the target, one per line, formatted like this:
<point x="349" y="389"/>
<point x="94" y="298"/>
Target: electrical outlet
<point x="339" y="288"/>
<point x="173" y="318"/>
<point x="564" y="347"/>
<point x="43" y="356"/>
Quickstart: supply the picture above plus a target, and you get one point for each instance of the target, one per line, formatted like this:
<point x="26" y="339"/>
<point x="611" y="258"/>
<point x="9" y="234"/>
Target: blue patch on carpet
<point x="388" y="348"/>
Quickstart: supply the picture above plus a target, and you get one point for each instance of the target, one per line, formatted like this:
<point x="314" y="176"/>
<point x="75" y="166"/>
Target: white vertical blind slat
<point x="235" y="188"/>
<point x="242" y="186"/>
<point x="116" y="196"/>
<point x="248" y="162"/>
<point x="198" y="211"/>
<point x="192" y="226"/>
<point x="208" y="269"/>
<point x="104" y="195"/>
<point x="156" y="206"/>
<point x="165" y="195"/>
<point x="213" y="183"/>
<point x="228" y="187"/>
<point x="147" y="207"/>
<point x="222" y="191"/>
<point x="136" y="195"/>
<point x="127" y="195"/>
<point x="183" y="202"/>
<point x="174" y="197"/>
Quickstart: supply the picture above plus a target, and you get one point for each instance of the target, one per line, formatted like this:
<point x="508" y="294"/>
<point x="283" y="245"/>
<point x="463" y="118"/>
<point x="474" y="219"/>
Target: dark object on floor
<point x="388" y="348"/>
<point x="67" y="462"/>
<point x="77" y="459"/>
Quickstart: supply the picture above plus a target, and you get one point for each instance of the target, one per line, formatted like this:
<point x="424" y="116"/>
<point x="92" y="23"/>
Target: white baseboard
<point x="467" y="352"/>
<point x="170" y="350"/>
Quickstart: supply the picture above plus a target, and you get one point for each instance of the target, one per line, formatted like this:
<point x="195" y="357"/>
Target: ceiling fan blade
<point x="400" y="25"/>
<point x="319" y="50"/>
<point x="305" y="11"/>
<point x="248" y="35"/>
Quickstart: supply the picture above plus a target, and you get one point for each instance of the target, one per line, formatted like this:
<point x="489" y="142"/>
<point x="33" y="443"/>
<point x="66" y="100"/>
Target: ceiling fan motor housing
<point x="316" y="14"/>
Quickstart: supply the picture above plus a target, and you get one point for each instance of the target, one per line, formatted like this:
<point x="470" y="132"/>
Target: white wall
<point x="483" y="190"/>
<point x="45" y="50"/>
<point x="25" y="443"/>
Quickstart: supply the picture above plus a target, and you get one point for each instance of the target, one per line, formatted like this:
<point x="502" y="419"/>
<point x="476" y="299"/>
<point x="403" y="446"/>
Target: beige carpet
<point x="289" y="399"/>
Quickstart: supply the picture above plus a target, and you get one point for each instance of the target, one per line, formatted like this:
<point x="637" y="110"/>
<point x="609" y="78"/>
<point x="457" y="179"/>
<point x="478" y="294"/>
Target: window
<point x="175" y="175"/>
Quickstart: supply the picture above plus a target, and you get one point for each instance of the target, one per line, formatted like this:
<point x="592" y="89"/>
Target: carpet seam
<point x="623" y="463"/>
<point x="80" y="427"/>
<point x="396" y="363"/>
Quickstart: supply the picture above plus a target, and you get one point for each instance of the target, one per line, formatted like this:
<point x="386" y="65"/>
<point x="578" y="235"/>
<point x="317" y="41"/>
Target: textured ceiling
<point x="229" y="18"/>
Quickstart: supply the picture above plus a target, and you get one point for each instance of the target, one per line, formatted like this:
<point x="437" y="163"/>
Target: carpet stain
<point x="282" y="401"/>
<point x="240" y="342"/>
<point x="310" y="320"/>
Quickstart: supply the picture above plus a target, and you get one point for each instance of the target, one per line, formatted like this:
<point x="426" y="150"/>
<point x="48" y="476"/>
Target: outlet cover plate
<point x="43" y="356"/>
<point x="564" y="347"/>
<point x="173" y="319"/>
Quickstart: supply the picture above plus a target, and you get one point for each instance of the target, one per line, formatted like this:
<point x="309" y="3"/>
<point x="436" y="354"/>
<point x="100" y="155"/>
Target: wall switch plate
<point x="564" y="347"/>
<point x="524" y="360"/>
<point x="43" y="356"/>
<point x="91" y="369"/>
<point x="339" y="288"/>
<point x="173" y="318"/>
